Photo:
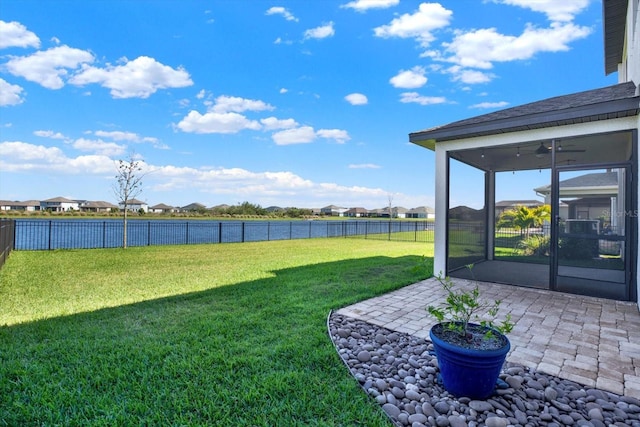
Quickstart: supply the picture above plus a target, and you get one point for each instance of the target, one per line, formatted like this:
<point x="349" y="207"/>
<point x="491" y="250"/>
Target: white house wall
<point x="629" y="70"/>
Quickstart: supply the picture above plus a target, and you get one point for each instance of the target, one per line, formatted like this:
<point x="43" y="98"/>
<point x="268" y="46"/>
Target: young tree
<point x="128" y="186"/>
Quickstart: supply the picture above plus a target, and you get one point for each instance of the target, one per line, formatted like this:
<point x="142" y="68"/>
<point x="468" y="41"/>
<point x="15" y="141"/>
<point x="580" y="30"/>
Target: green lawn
<point x="231" y="334"/>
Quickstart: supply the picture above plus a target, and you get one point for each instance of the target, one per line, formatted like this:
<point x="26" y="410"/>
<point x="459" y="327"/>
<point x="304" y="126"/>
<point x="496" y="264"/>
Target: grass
<point x="231" y="334"/>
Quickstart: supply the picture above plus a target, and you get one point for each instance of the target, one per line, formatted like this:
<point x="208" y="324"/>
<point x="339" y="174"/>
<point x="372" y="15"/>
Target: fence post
<point x="268" y="231"/>
<point x="242" y="240"/>
<point x="290" y="230"/>
<point x="220" y="232"/>
<point x="186" y="237"/>
<point x="50" y="234"/>
<point x="149" y="233"/>
<point x="389" y="230"/>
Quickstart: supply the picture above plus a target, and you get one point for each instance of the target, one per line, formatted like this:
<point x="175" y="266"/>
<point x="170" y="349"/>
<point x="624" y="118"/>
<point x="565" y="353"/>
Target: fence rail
<point x="7" y="238"/>
<point x="87" y="234"/>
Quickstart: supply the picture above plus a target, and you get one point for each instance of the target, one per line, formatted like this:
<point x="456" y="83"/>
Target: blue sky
<point x="287" y="103"/>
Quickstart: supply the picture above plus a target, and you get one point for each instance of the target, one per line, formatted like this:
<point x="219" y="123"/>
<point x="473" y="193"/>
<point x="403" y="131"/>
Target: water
<point x="45" y="234"/>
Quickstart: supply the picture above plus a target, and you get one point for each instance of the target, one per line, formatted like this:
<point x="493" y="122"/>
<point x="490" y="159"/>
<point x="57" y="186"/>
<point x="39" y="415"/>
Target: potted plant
<point x="470" y="345"/>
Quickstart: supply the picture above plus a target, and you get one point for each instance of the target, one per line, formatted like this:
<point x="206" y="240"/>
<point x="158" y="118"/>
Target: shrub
<point x="535" y="245"/>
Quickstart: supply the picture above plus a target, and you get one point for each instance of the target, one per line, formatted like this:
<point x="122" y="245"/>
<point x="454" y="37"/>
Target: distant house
<point x="356" y="212"/>
<point x="400" y="212"/>
<point x="162" y="208"/>
<point x="97" y="206"/>
<point x="333" y="210"/>
<point x="396" y="212"/>
<point x="27" y="206"/>
<point x="422" y="212"/>
<point x="134" y="205"/>
<point x="193" y="207"/>
<point x="507" y="205"/>
<point x="59" y="204"/>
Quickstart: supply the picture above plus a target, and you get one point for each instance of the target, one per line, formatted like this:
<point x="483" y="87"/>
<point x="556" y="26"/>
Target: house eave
<point x="614" y="109"/>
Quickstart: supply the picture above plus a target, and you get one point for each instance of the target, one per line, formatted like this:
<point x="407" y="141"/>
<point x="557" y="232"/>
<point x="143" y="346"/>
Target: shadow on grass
<point x="255" y="353"/>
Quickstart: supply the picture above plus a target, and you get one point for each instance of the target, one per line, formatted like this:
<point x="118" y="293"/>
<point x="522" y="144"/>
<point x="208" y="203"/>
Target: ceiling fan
<point x="544" y="150"/>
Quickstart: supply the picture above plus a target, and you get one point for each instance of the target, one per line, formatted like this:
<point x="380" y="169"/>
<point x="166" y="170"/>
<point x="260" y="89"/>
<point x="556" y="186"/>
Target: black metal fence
<point x="86" y="234"/>
<point x="7" y="238"/>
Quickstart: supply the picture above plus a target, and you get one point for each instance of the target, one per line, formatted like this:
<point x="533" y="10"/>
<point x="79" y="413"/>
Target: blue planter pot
<point x="468" y="372"/>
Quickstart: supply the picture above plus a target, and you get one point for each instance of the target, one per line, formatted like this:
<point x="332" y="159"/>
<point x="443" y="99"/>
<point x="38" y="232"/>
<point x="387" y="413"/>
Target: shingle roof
<point x="596" y="179"/>
<point x="620" y="100"/>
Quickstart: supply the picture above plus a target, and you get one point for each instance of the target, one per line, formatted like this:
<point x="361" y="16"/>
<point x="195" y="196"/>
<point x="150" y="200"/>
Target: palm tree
<point x="524" y="218"/>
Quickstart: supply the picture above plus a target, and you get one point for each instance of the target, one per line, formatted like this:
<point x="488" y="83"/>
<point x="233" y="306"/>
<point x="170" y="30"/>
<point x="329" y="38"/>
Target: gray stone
<point x="381" y="384"/>
<point x="442" y="421"/>
<point x="514" y="381"/>
<point x="566" y="419"/>
<point x="412" y="395"/>
<point x="428" y="410"/>
<point x="496" y="422"/>
<point x="561" y="406"/>
<point x="480" y="405"/>
<point x="457" y="421"/>
<point x="521" y="417"/>
<point x="550" y="394"/>
<point x="442" y="407"/>
<point x="596" y="414"/>
<point x="381" y="339"/>
<point x="418" y="418"/>
<point x="391" y="410"/>
<point x="364" y="356"/>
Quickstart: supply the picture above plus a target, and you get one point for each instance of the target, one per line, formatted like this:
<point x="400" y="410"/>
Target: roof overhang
<point x="614" y="15"/>
<point x="618" y="101"/>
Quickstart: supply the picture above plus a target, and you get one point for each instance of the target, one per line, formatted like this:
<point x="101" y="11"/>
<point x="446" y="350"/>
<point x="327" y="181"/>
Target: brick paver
<point x="593" y="341"/>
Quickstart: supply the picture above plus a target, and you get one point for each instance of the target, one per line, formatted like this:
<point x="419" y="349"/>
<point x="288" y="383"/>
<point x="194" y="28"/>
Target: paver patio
<point x="593" y="341"/>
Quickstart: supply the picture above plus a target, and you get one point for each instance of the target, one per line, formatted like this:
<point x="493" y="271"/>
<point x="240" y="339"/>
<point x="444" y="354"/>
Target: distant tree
<point x="127" y="187"/>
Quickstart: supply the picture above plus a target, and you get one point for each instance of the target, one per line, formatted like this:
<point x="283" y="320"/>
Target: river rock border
<point x="400" y="372"/>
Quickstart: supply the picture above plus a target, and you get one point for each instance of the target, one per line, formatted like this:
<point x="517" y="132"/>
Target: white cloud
<point x="480" y="48"/>
<point x="338" y="135"/>
<point x="364" y="5"/>
<point x="49" y="67"/>
<point x="468" y="76"/>
<point x="14" y="34"/>
<point x="18" y="156"/>
<point x="500" y="104"/>
<point x="356" y="99"/>
<point x="272" y="123"/>
<point x="225" y="104"/>
<point x="420" y="25"/>
<point x="284" y="90"/>
<point x="139" y="78"/>
<point x="99" y="147"/>
<point x="212" y="122"/>
<point x="414" y="97"/>
<point x="130" y="137"/>
<point x="321" y="32"/>
<point x="278" y="10"/>
<point x="118" y="135"/>
<point x="300" y="135"/>
<point x="49" y="134"/>
<point x="409" y="79"/>
<point x="10" y="94"/>
<point x="364" y="166"/>
<point x="555" y="10"/>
